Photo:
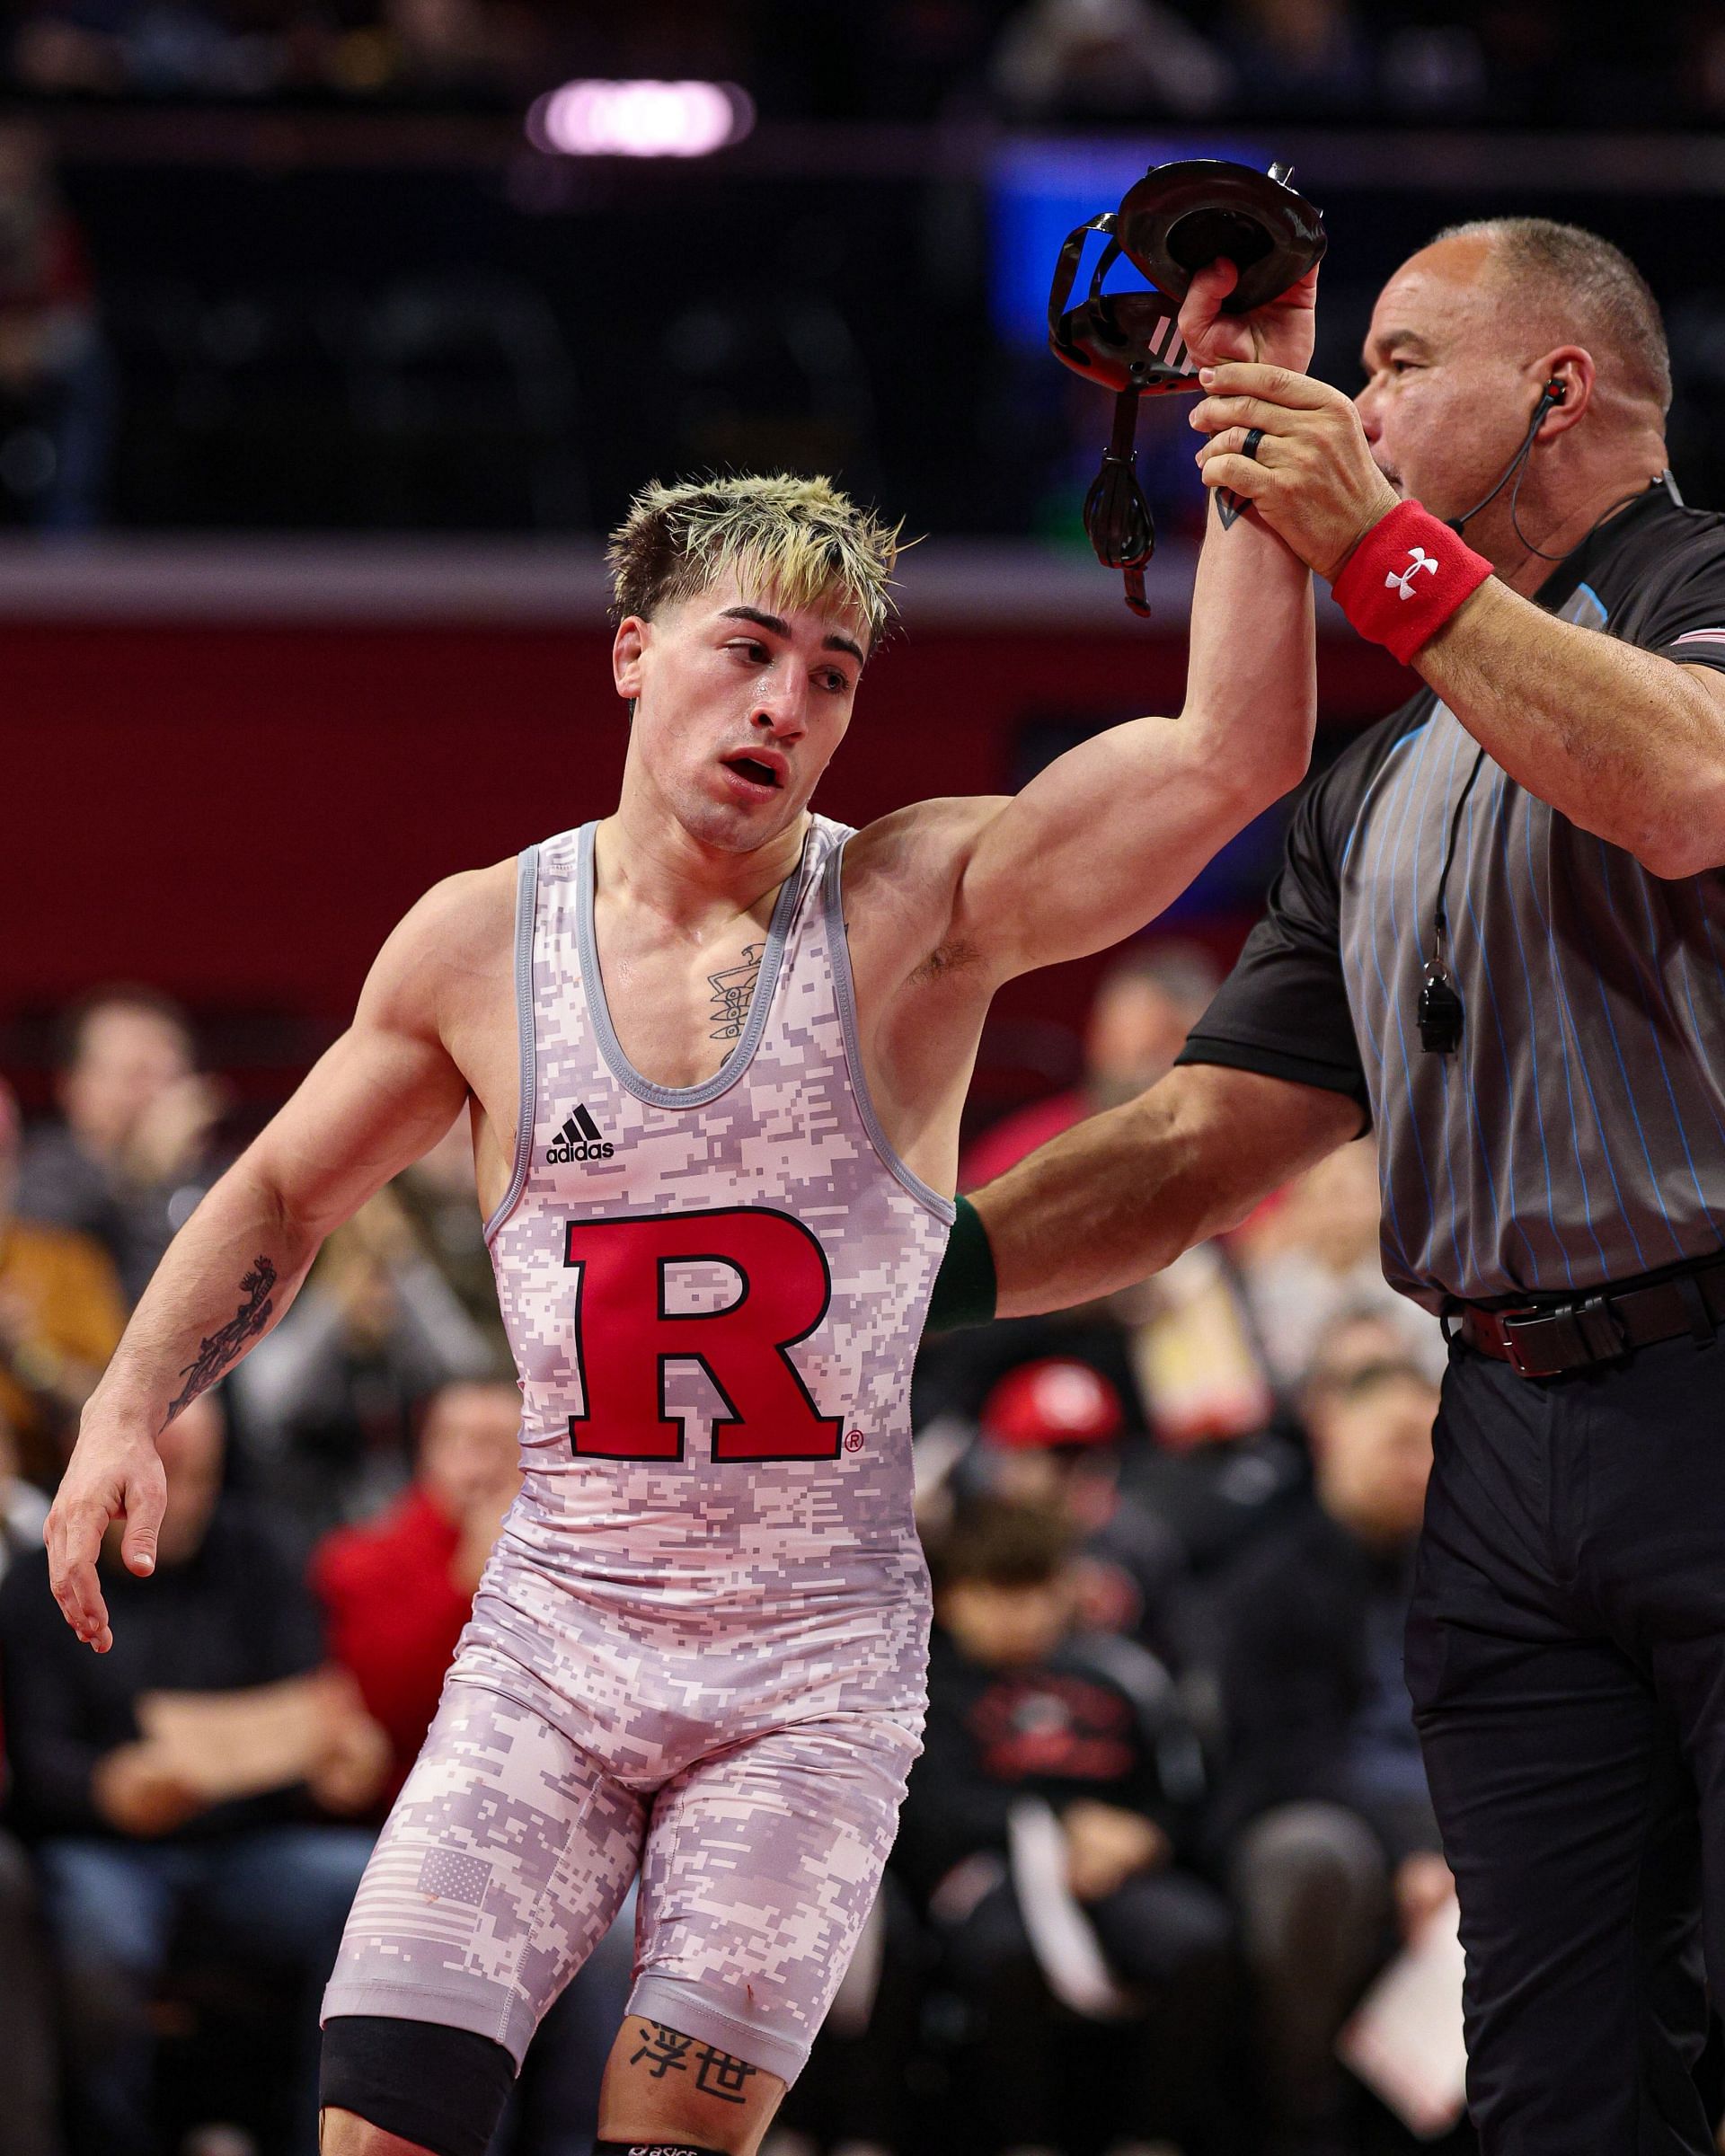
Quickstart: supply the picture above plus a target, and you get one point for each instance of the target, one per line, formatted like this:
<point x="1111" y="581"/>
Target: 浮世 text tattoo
<point x="717" y="2073"/>
<point x="224" y="1348"/>
<point x="731" y="992"/>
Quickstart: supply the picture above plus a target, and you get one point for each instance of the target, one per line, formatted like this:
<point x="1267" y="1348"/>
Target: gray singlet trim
<point x="732" y="1068"/>
<point x="838" y="944"/>
<point x="527" y="908"/>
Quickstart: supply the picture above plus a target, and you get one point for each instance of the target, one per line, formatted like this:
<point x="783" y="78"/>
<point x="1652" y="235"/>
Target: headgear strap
<point x="1181" y="216"/>
<point x="1130" y="342"/>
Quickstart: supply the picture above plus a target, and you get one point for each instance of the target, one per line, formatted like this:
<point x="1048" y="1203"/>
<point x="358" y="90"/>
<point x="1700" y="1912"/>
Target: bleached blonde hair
<point x="807" y="542"/>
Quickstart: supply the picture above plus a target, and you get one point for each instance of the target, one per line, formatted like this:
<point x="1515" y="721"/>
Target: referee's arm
<point x="1626" y="744"/>
<point x="1123" y="1194"/>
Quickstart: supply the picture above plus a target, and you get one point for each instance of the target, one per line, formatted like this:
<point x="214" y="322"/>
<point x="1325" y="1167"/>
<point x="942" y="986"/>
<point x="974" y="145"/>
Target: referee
<point x="1499" y="936"/>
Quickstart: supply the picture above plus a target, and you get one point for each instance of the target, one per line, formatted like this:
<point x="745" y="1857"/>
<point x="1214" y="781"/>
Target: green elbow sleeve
<point x="964" y="1287"/>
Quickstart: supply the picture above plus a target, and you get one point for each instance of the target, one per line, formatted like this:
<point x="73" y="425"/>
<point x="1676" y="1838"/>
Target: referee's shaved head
<point x="1586" y="291"/>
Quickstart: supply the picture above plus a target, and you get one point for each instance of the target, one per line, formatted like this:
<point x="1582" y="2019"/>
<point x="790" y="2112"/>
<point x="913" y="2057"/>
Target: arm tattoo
<point x="731" y="992"/>
<point x="227" y="1345"/>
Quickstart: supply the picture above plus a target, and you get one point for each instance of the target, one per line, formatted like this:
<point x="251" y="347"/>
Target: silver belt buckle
<point x="1590" y="1326"/>
<point x="1507" y="1323"/>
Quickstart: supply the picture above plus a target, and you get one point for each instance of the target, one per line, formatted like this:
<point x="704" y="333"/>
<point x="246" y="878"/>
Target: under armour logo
<point x="1419" y="560"/>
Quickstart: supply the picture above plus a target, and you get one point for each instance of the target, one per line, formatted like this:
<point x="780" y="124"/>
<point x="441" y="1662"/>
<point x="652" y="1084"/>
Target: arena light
<point x="640" y="120"/>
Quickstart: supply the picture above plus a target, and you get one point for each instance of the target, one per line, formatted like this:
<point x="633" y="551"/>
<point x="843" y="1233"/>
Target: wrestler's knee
<point x="345" y="2133"/>
<point x="398" y="2088"/>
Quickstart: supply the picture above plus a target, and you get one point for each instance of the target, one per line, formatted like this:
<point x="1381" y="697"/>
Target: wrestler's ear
<point x="628" y="647"/>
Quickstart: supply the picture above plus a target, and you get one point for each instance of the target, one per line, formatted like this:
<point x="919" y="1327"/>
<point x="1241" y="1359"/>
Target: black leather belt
<point x="1551" y="1339"/>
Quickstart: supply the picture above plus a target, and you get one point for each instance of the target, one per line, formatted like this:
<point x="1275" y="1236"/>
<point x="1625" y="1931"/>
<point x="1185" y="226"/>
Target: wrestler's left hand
<point x="1313" y="481"/>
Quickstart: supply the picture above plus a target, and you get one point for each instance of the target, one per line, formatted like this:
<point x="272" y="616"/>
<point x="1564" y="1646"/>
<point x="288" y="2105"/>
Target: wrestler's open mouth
<point x="757" y="772"/>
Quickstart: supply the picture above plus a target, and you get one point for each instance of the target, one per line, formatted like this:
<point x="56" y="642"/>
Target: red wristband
<point x="1405" y="579"/>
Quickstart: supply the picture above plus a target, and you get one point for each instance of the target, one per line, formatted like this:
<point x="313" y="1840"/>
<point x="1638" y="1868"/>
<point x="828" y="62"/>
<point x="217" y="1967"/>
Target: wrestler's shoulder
<point x="464" y="925"/>
<point x="473" y="905"/>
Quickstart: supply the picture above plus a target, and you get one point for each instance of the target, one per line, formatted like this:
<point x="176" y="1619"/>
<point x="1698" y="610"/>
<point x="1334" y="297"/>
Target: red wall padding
<point x="238" y="814"/>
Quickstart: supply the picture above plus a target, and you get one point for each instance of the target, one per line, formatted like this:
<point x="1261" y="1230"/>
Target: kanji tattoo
<point x="663" y="2049"/>
<point x="722" y="2076"/>
<point x="717" y="2072"/>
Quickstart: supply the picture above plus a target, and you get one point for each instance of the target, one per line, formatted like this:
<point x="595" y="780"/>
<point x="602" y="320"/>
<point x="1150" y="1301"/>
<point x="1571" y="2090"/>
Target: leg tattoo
<point x="717" y="2073"/>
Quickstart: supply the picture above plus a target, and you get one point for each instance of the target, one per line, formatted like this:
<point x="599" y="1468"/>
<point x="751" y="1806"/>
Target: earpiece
<point x="1555" y="391"/>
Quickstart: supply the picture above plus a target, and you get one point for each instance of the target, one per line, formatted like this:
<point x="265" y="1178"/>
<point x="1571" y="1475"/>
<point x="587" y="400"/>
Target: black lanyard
<point x="1440" y="1009"/>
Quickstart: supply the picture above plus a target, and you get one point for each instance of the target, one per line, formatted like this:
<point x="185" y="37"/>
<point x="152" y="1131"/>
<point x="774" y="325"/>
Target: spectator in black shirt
<point x="1499" y="933"/>
<point x="29" y="2121"/>
<point x="128" y="1838"/>
<point x="1029" y="1726"/>
<point x="29" y="2118"/>
<point x="1322" y="1809"/>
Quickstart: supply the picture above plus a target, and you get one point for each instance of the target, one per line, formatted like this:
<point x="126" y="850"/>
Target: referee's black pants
<point x="1566" y="1655"/>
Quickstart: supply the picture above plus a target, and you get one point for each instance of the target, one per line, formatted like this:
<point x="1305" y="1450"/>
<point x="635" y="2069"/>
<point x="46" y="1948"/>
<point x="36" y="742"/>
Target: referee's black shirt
<point x="1578" y="1134"/>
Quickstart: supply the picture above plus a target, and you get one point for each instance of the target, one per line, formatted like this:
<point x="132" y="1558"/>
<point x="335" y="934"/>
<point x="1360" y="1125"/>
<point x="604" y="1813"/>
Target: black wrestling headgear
<point x="1174" y="222"/>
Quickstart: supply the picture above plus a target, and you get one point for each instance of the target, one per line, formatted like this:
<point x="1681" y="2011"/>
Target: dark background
<point x="368" y="376"/>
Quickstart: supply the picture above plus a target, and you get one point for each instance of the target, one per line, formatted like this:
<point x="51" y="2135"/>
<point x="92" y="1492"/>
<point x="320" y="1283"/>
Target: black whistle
<point x="1439" y="1011"/>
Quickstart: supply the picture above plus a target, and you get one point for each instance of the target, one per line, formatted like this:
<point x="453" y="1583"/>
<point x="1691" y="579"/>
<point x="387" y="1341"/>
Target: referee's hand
<point x="1312" y="480"/>
<point x="115" y="1472"/>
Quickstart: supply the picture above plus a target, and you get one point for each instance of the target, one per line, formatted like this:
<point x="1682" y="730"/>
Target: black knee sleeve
<point x="442" y="2087"/>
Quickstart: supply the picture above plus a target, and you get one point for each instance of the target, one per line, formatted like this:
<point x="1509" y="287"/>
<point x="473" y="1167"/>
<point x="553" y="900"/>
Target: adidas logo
<point x="578" y="1140"/>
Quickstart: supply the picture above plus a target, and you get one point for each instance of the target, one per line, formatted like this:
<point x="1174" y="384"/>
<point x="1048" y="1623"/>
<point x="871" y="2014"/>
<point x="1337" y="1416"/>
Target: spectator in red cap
<point x="1050" y="1436"/>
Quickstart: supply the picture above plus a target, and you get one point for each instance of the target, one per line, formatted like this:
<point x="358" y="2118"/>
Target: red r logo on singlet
<point x="624" y="1336"/>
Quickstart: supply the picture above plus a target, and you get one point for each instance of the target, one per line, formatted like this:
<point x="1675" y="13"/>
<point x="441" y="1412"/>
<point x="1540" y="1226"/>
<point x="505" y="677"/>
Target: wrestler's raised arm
<point x="1109" y="834"/>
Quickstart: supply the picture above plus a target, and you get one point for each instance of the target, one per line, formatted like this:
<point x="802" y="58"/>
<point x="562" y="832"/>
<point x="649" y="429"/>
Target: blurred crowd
<point x="1522" y="60"/>
<point x="1171" y="1821"/>
<point x="56" y="387"/>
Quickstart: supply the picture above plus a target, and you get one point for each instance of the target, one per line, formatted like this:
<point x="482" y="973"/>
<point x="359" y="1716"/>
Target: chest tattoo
<point x="732" y="991"/>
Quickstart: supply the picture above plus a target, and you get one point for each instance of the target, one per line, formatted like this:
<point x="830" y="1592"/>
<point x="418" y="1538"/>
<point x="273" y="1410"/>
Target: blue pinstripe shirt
<point x="1578" y="1134"/>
